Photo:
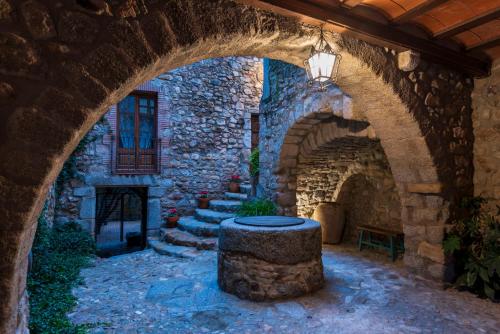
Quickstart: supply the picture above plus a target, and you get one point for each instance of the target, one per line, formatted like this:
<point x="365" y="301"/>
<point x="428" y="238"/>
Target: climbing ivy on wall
<point x="58" y="256"/>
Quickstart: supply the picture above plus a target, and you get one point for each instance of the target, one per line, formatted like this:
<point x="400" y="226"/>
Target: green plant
<point x="254" y="162"/>
<point x="258" y="207"/>
<point x="474" y="242"/>
<point x="58" y="256"/>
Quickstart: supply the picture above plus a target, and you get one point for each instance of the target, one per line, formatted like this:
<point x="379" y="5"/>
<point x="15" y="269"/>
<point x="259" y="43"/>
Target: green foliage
<point x="58" y="256"/>
<point x="70" y="170"/>
<point x="254" y="162"/>
<point x="258" y="207"/>
<point x="475" y="244"/>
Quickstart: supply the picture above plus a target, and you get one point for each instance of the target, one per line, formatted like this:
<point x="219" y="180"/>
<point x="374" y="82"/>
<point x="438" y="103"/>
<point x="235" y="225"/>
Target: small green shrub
<point x="474" y="243"/>
<point x="58" y="256"/>
<point x="254" y="162"/>
<point x="258" y="207"/>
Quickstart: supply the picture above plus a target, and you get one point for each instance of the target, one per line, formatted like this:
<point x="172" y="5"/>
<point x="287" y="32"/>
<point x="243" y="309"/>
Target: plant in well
<point x="474" y="242"/>
<point x="58" y="256"/>
<point x="257" y="207"/>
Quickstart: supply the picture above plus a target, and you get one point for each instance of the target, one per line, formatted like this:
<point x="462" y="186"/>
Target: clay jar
<point x="203" y="202"/>
<point x="171" y="222"/>
<point x="234" y="187"/>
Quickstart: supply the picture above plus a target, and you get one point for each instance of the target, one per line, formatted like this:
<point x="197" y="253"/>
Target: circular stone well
<point x="269" y="257"/>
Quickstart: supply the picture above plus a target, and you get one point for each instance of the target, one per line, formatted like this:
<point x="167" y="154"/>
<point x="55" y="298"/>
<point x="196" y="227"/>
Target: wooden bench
<point x="394" y="244"/>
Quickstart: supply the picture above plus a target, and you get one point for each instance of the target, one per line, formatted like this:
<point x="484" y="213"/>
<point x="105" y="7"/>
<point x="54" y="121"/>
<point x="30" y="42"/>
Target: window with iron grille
<point x="137" y="145"/>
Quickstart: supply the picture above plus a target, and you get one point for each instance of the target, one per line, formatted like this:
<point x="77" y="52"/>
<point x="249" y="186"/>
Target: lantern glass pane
<point x="321" y="66"/>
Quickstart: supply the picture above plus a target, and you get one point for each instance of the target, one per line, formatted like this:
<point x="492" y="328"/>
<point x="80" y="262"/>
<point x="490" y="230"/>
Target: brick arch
<point x="56" y="82"/>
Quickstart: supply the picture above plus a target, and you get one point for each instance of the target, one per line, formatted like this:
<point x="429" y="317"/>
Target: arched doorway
<point x="58" y="83"/>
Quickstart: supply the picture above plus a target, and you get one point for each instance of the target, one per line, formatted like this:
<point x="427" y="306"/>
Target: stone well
<point x="265" y="258"/>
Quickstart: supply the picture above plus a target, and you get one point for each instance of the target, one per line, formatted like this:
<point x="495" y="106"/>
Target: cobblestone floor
<point x="148" y="293"/>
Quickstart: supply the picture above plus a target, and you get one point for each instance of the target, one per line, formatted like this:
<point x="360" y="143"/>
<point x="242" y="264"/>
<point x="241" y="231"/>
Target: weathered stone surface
<point x="433" y="252"/>
<point x="5" y="9"/>
<point x="198" y="228"/>
<point x="425" y="188"/>
<point x="252" y="278"/>
<point x="38" y="20"/>
<point x="280" y="245"/>
<point x="408" y="60"/>
<point x="84" y="192"/>
<point x="154" y="213"/>
<point x="75" y="27"/>
<point x="6" y="90"/>
<point x="17" y="56"/>
<point x="181" y="238"/>
<point x="87" y="209"/>
<point x="486" y="118"/>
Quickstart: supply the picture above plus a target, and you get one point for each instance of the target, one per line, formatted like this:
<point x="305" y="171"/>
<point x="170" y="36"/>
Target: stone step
<point x="236" y="196"/>
<point x="211" y="216"/>
<point x="225" y="205"/>
<point x="246" y="188"/>
<point x="177" y="237"/>
<point x="201" y="229"/>
<point x="164" y="248"/>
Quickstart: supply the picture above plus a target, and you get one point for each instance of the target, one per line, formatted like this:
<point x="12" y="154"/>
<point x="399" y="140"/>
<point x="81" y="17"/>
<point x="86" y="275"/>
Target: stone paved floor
<point x="148" y="293"/>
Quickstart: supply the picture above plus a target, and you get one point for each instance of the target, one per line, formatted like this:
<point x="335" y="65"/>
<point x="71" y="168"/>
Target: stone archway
<point x="62" y="65"/>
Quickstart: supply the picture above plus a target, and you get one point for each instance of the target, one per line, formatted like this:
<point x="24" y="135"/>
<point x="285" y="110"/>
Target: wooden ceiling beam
<point x="418" y="10"/>
<point x="466" y="25"/>
<point x="370" y="30"/>
<point x="485" y="45"/>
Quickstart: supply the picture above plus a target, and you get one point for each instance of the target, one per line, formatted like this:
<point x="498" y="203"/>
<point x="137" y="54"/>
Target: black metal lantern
<point x="322" y="66"/>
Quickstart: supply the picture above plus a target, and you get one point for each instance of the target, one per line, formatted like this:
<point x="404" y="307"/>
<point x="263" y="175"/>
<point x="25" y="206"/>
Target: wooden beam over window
<point x="370" y="30"/>
<point x="418" y="10"/>
<point x="472" y="23"/>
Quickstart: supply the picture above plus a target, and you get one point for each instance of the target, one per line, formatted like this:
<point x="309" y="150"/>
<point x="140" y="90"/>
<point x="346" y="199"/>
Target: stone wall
<point x="353" y="172"/>
<point x="204" y="112"/>
<point x="486" y="117"/>
<point x="431" y="164"/>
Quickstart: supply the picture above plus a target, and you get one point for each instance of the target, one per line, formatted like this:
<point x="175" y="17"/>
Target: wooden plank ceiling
<point x="464" y="34"/>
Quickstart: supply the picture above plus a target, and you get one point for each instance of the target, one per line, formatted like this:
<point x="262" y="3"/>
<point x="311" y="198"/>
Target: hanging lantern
<point x="323" y="64"/>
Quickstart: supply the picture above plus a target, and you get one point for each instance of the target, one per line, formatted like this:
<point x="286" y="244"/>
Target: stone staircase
<point x="199" y="232"/>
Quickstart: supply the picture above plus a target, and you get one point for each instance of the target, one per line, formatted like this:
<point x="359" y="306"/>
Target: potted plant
<point x="203" y="200"/>
<point x="234" y="183"/>
<point x="172" y="218"/>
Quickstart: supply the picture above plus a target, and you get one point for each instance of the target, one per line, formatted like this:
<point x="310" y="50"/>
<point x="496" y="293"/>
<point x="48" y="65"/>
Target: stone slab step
<point x="182" y="238"/>
<point x="236" y="196"/>
<point x="163" y="248"/>
<point x="211" y="216"/>
<point x="224" y="205"/>
<point x="196" y="227"/>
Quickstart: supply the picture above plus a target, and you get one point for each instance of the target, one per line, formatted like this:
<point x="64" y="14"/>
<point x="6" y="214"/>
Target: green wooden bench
<point x="376" y="237"/>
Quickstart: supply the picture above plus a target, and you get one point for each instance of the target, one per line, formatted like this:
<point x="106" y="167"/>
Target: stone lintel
<point x="424" y="188"/>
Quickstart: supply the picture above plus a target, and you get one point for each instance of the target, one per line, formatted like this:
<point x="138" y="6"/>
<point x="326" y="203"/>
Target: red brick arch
<point x="62" y="66"/>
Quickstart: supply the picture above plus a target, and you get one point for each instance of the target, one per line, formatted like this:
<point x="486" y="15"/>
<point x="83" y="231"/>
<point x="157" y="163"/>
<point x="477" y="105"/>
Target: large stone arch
<point x="62" y="65"/>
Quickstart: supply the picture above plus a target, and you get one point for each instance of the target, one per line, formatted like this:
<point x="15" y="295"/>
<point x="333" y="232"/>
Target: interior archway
<point x="62" y="86"/>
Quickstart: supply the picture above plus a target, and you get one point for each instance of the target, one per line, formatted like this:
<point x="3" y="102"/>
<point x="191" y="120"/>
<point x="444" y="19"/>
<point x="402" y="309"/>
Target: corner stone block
<point x="84" y="192"/>
<point x="154" y="213"/>
<point x="156" y="191"/>
<point x="87" y="208"/>
<point x="432" y="252"/>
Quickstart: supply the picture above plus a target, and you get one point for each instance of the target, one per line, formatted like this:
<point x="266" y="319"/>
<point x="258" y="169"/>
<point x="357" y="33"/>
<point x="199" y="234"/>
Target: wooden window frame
<point x="154" y="168"/>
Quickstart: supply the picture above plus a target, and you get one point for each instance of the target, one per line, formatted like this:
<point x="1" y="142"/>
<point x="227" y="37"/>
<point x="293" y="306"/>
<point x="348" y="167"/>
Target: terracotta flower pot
<point x="234" y="187"/>
<point x="172" y="221"/>
<point x="203" y="203"/>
